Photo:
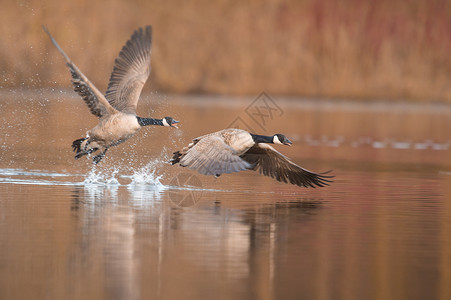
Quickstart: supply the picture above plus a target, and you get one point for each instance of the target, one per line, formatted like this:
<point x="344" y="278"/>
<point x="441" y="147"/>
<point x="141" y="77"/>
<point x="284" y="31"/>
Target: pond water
<point x="135" y="227"/>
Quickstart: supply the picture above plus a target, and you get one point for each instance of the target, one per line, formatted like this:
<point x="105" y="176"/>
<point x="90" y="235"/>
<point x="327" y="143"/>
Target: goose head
<point x="169" y="121"/>
<point x="281" y="139"/>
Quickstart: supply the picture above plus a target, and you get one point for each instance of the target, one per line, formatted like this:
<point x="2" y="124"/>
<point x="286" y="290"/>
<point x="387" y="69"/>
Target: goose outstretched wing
<point x="130" y="72"/>
<point x="95" y="100"/>
<point x="269" y="162"/>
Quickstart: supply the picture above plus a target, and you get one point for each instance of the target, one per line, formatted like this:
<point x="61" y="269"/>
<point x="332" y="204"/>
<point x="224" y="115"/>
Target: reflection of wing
<point x="131" y="70"/>
<point x="269" y="162"/>
<point x="96" y="102"/>
<point x="211" y="156"/>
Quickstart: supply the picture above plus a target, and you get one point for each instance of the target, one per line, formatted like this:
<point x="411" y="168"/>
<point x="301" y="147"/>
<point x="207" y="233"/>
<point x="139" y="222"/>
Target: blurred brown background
<point x="358" y="49"/>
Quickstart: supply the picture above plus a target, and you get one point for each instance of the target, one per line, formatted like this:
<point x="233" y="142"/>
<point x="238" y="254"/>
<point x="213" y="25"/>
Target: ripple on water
<point x="145" y="176"/>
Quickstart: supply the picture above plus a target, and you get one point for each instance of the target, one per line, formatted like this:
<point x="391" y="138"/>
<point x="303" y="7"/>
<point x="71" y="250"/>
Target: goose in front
<point x="233" y="150"/>
<point x="116" y="109"/>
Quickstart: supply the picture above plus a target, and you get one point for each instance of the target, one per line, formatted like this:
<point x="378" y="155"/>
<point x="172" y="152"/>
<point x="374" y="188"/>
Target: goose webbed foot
<point x="76" y="145"/>
<point x="175" y="158"/>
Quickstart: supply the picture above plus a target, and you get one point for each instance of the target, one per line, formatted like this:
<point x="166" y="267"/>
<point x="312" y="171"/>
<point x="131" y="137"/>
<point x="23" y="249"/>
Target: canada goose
<point x="233" y="150"/>
<point x="117" y="109"/>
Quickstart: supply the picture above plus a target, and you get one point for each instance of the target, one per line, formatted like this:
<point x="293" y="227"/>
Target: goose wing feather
<point x="86" y="93"/>
<point x="269" y="162"/>
<point x="211" y="156"/>
<point x="130" y="72"/>
<point x="97" y="103"/>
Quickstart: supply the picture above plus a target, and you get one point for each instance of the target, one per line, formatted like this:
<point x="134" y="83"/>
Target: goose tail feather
<point x="176" y="158"/>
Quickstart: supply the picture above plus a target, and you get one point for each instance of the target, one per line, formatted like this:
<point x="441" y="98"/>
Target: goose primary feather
<point x="116" y="109"/>
<point x="233" y="150"/>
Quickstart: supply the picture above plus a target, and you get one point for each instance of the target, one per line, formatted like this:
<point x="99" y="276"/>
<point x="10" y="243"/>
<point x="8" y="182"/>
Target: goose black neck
<point x="262" y="138"/>
<point x="149" y="121"/>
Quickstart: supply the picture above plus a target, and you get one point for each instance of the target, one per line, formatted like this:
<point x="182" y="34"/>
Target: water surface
<point x="135" y="227"/>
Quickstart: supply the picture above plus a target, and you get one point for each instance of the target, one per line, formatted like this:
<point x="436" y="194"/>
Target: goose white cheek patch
<point x="276" y="140"/>
<point x="165" y="123"/>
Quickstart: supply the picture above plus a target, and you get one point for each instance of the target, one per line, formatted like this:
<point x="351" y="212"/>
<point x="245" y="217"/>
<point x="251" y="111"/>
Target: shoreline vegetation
<point x="350" y="49"/>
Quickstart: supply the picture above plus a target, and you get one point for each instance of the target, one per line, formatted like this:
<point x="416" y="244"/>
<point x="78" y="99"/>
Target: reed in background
<point x="358" y="49"/>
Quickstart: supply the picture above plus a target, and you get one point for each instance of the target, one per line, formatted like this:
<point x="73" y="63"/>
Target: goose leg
<point x="99" y="157"/>
<point x="82" y="153"/>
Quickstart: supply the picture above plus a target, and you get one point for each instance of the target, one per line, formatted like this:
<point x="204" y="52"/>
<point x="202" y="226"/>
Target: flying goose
<point x="116" y="109"/>
<point x="233" y="150"/>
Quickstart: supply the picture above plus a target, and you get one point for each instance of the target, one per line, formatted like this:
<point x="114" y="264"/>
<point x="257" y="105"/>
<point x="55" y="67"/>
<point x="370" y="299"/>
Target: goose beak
<point x="287" y="142"/>
<point x="174" y="123"/>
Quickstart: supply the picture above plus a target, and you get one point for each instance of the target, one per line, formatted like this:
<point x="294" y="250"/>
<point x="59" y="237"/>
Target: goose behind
<point x="116" y="109"/>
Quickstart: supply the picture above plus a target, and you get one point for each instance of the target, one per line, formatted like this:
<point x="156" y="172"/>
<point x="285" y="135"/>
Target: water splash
<point x="146" y="176"/>
<point x="145" y="186"/>
<point x="103" y="177"/>
<point x="117" y="176"/>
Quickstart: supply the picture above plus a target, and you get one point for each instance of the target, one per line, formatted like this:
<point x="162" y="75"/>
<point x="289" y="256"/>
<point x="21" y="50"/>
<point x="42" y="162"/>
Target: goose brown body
<point x="116" y="109"/>
<point x="233" y="150"/>
<point x="102" y="136"/>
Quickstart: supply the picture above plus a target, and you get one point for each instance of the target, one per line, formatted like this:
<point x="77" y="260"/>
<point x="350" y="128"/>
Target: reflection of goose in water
<point x="233" y="150"/>
<point x="117" y="109"/>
